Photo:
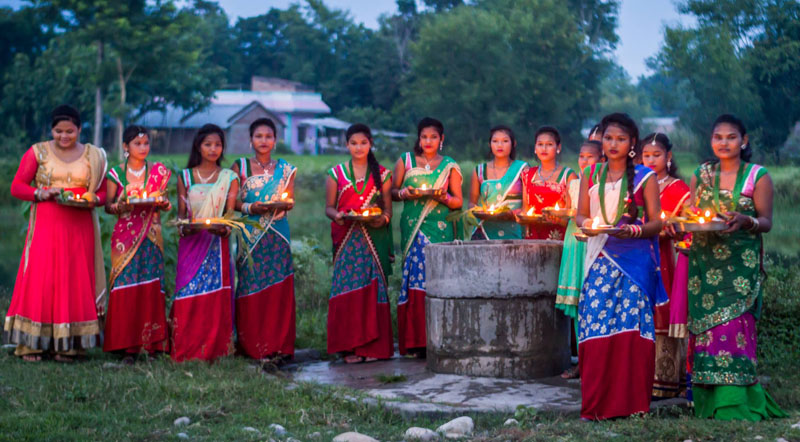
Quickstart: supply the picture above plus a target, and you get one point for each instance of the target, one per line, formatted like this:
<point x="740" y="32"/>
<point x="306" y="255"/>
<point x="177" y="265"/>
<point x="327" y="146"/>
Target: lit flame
<point x="596" y="222"/>
<point x="556" y="206"/>
<point x="708" y="214"/>
<point x="144" y="195"/>
<point x="530" y="211"/>
<point x="208" y="221"/>
<point x="284" y="195"/>
<point x="424" y="187"/>
<point x="77" y="197"/>
<point x="701" y="220"/>
<point x="366" y="213"/>
<point x="663" y="216"/>
<point x="491" y="208"/>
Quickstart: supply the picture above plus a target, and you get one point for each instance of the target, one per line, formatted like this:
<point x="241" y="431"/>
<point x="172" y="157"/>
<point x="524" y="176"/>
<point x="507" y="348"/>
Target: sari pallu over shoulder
<point x="504" y="191"/>
<point x="265" y="302"/>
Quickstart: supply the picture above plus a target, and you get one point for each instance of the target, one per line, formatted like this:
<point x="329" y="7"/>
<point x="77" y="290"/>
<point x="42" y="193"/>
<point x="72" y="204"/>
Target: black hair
<point x="132" y="132"/>
<point x="746" y="152"/>
<point x="372" y="162"/>
<point x="662" y="140"/>
<point x="510" y="133"/>
<point x="65" y="112"/>
<point x="595" y="129"/>
<point x="424" y="123"/>
<point x="263" y="122"/>
<point x="626" y="123"/>
<point x="195" y="158"/>
<point x="547" y="130"/>
<point x="595" y="144"/>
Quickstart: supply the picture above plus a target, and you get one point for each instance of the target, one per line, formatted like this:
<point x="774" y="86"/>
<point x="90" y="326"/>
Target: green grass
<point x="51" y="401"/>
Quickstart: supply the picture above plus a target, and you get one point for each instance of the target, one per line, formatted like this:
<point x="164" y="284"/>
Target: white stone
<point x="419" y="433"/>
<point x="759" y="438"/>
<point x="511" y="423"/>
<point x="315" y="435"/>
<point x="182" y="421"/>
<point x="183" y="436"/>
<point x="458" y="427"/>
<point x="278" y="430"/>
<point x="797" y="425"/>
<point x="291" y="439"/>
<point x="780" y="439"/>
<point x="251" y="429"/>
<point x="352" y="436"/>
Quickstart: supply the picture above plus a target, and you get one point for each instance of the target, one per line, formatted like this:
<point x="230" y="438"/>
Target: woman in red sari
<point x="359" y="317"/>
<point x="60" y="286"/>
<point x="136" y="319"/>
<point x="546" y="185"/>
<point x="201" y="319"/>
<point x="656" y="151"/>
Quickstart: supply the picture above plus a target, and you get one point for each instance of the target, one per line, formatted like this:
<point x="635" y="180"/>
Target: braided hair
<point x="626" y="123"/>
<point x="663" y="141"/>
<point x="372" y="162"/>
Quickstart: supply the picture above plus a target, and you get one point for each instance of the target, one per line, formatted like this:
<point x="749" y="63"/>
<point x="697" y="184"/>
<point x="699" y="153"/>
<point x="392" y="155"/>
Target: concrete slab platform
<point x="405" y="386"/>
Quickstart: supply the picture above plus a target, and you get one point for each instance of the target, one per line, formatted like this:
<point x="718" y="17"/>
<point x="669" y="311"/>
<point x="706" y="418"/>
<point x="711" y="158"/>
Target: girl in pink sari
<point x="202" y="311"/>
<point x="136" y="319"/>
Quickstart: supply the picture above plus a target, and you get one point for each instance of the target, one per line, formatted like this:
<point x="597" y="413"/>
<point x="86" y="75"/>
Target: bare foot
<point x="571" y="373"/>
<point x="32" y="358"/>
<point x="63" y="358"/>
<point x="353" y="359"/>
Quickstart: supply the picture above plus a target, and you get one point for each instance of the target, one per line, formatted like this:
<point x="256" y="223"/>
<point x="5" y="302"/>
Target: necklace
<point x="498" y="175"/>
<point x="620" y="198"/>
<point x="137" y="173"/>
<point x="263" y="166"/>
<point x="552" y="172"/>
<point x="737" y="188"/>
<point x="355" y="182"/>
<point x="427" y="163"/>
<point x="205" y="180"/>
<point x="663" y="180"/>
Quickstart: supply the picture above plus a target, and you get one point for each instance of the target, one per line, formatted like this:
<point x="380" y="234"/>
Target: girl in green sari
<point x="423" y="222"/>
<point x="496" y="184"/>
<point x="725" y="280"/>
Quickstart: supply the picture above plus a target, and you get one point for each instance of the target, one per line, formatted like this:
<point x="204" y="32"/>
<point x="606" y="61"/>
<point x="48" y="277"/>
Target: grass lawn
<point x="50" y="401"/>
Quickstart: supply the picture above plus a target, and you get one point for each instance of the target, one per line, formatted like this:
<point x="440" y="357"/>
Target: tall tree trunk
<point x="120" y="114"/>
<point x="98" y="100"/>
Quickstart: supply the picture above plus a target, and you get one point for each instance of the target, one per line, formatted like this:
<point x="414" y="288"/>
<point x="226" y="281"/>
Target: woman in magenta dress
<point x="60" y="286"/>
<point x="265" y="308"/>
<point x="201" y="318"/>
<point x="546" y="185"/>
<point x="136" y="319"/>
<point x="656" y="151"/>
<point x="359" y="317"/>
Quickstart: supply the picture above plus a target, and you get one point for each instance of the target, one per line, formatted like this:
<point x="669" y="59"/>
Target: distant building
<point x="287" y="103"/>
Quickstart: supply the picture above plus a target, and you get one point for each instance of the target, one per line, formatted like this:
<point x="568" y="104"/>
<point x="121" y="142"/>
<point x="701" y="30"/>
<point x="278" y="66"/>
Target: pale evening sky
<point x="641" y="22"/>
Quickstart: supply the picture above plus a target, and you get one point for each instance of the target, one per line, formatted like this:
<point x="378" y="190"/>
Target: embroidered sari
<point x="136" y="317"/>
<point x="265" y="307"/>
<point x="423" y="222"/>
<point x="670" y="352"/>
<point x="201" y="318"/>
<point x="359" y="317"/>
<point x="60" y="286"/>
<point x="505" y="191"/>
<point x="616" y="340"/>
<point x="725" y="282"/>
<point x="544" y="194"/>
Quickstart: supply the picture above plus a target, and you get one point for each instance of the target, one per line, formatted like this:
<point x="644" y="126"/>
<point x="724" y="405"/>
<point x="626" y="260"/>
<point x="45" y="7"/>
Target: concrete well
<point x="490" y="309"/>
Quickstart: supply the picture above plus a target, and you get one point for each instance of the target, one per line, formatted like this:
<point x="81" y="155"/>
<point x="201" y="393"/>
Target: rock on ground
<point x="315" y="435"/>
<point x="182" y="421"/>
<point x="797" y="425"/>
<point x="183" y="436"/>
<point x="458" y="427"/>
<point x="511" y="423"/>
<point x="250" y="429"/>
<point x="278" y="430"/>
<point x="352" y="436"/>
<point x="423" y="434"/>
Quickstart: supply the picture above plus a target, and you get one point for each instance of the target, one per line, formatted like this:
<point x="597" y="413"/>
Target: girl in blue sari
<point x="622" y="284"/>
<point x="265" y="306"/>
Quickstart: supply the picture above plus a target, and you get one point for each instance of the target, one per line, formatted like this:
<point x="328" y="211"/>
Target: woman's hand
<point x="164" y="205"/>
<point x="48" y="194"/>
<point x="122" y="207"/>
<point x="184" y="230"/>
<point x="339" y="218"/>
<point x="223" y="231"/>
<point x="625" y="233"/>
<point x="736" y="221"/>
<point x="441" y="196"/>
<point x="409" y="193"/>
<point x="379" y="222"/>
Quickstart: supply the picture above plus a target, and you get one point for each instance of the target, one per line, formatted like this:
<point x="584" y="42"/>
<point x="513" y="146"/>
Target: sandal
<point x="571" y="373"/>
